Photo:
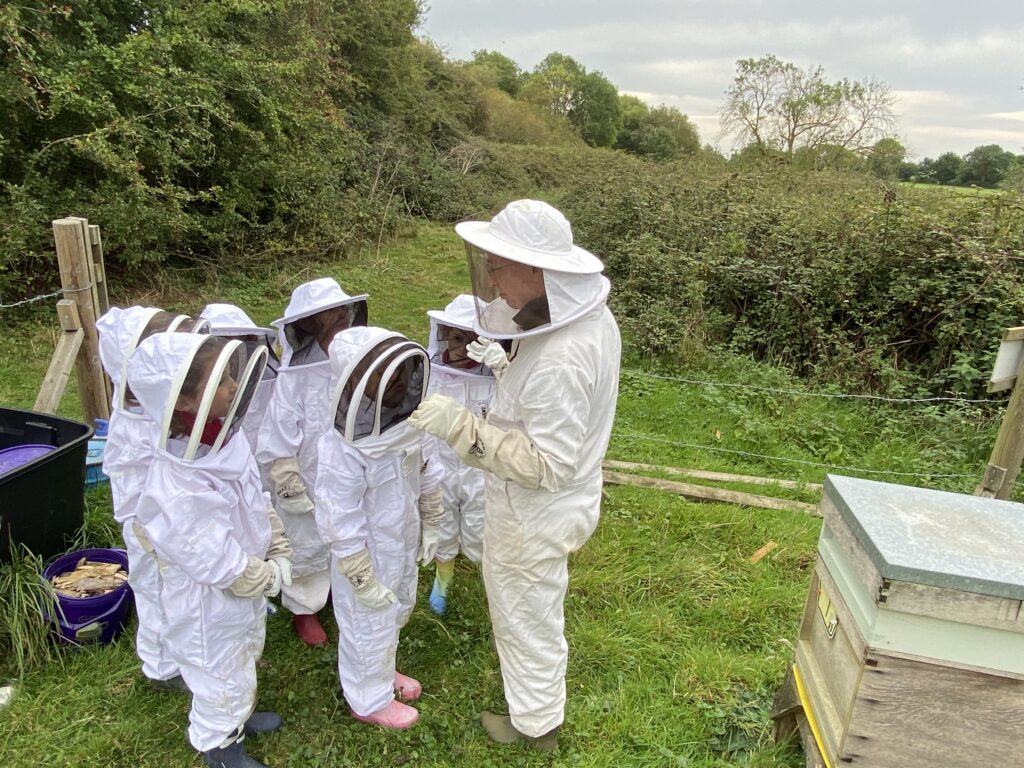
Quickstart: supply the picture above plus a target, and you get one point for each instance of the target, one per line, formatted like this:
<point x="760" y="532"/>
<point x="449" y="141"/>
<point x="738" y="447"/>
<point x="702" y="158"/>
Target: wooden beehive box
<point x="911" y="649"/>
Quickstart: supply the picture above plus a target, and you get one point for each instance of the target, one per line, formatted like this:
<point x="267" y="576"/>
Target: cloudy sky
<point x="956" y="66"/>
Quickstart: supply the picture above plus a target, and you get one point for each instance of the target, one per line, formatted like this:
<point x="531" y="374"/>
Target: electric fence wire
<point x="43" y="296"/>
<point x="695" y="446"/>
<point x="803" y="393"/>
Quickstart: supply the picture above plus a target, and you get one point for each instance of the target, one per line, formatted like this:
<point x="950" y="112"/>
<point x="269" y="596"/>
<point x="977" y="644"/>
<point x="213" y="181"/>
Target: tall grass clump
<point x="26" y="603"/>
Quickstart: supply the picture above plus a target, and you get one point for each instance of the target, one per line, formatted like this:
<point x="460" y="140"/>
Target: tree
<point x="497" y="69"/>
<point x="886" y="158"/>
<point x="945" y="169"/>
<point x="589" y="101"/>
<point x="986" y="165"/>
<point x="663" y="133"/>
<point x="773" y="104"/>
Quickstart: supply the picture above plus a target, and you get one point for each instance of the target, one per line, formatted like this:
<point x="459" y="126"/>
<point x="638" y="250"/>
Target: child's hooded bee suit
<point x="126" y="458"/>
<point x="221" y="547"/>
<point x="378" y="504"/>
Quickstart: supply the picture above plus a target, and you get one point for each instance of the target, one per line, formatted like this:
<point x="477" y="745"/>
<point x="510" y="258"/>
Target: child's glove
<point x="261" y="577"/>
<point x="358" y="569"/>
<point x="290" y="494"/>
<point x="285" y="566"/>
<point x="273" y="587"/>
<point x="490" y="353"/>
<point x="431" y="513"/>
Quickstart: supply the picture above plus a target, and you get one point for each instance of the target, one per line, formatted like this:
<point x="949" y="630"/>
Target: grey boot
<point x="500" y="730"/>
<point x="262" y="722"/>
<point x="172" y="684"/>
<point x="230" y="757"/>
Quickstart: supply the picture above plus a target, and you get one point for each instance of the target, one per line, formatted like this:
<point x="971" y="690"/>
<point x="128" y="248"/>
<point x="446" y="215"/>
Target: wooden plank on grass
<point x="709" y="494"/>
<point x="722" y="477"/>
<point x="56" y="379"/>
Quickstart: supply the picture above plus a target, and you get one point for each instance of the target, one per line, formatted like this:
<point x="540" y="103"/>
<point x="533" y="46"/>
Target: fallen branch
<point x="722" y="477"/>
<point x="710" y="494"/>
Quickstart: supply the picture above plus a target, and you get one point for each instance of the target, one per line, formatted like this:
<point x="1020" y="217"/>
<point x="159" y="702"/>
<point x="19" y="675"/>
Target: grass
<point x="953" y="189"/>
<point x="677" y="642"/>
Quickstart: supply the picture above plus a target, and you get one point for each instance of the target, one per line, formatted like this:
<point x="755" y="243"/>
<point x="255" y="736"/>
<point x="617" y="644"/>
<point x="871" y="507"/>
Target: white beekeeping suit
<point x="542" y="443"/>
<point x="229" y="321"/>
<point x="126" y="459"/>
<point x="470" y="383"/>
<point x="221" y="548"/>
<point x="375" y="483"/>
<point x="286" y="447"/>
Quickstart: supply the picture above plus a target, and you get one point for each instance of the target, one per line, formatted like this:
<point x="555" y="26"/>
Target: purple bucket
<point x="20" y="455"/>
<point x="91" y="619"/>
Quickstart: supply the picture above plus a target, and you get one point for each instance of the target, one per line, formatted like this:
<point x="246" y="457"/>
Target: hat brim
<point x="282" y="322"/>
<point x="242" y="330"/>
<point x="438" y="316"/>
<point x="578" y="261"/>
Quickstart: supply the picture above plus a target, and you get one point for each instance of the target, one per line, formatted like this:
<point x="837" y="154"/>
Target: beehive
<point x="911" y="649"/>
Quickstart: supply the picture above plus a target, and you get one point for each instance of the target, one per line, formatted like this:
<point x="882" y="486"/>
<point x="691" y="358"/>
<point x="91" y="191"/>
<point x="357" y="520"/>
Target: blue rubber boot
<point x="438" y="600"/>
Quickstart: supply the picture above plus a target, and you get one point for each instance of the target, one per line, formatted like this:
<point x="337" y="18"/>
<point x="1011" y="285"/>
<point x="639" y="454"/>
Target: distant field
<point x="953" y="189"/>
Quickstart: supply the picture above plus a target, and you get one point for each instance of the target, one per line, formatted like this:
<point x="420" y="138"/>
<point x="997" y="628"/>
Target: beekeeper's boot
<point x="501" y="731"/>
<point x="444" y="571"/>
<point x="262" y="722"/>
<point x="174" y="684"/>
<point x="230" y="757"/>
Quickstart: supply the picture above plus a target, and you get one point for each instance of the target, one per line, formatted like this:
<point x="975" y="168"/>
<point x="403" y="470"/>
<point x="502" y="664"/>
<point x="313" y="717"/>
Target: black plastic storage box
<point x="42" y="501"/>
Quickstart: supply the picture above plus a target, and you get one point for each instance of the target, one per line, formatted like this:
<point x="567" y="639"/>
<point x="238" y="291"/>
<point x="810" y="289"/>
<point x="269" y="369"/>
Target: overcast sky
<point x="956" y="66"/>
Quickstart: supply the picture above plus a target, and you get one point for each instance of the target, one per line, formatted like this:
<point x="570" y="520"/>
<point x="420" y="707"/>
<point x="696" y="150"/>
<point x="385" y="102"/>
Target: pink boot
<point x="394" y="715"/>
<point x="406" y="688"/>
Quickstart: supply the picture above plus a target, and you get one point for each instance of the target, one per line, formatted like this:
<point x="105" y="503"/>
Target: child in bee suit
<point x="221" y="548"/>
<point x="230" y="322"/>
<point x="126" y="460"/>
<point x="455" y="374"/>
<point x="286" y="445"/>
<point x="378" y="505"/>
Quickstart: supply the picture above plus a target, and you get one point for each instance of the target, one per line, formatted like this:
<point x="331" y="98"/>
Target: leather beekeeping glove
<point x="290" y="493"/>
<point x="508" y="454"/>
<point x="431" y="514"/>
<point x="261" y="577"/>
<point x="358" y="569"/>
<point x="437" y="415"/>
<point x="490" y="353"/>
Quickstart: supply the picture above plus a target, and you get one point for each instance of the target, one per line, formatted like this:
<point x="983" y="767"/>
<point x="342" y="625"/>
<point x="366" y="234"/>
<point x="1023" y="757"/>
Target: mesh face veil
<point x="218" y="380"/>
<point x="159" y="322"/>
<point x="379" y="388"/>
<point x="512" y="296"/>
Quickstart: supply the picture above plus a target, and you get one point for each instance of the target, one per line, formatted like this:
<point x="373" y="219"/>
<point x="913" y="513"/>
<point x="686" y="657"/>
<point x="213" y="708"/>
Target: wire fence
<point x="805" y="393"/>
<point x="842" y="467"/>
<point x="44" y="296"/>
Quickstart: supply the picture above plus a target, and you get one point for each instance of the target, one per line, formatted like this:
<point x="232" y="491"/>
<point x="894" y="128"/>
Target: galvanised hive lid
<point x="936" y="538"/>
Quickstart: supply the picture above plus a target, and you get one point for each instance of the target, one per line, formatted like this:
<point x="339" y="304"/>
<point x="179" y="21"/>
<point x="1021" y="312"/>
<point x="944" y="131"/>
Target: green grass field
<point x="677" y="642"/>
<point x="983" y="191"/>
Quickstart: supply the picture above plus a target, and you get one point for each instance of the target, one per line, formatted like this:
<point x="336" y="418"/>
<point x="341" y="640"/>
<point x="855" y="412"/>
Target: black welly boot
<point x="262" y="722"/>
<point x="230" y="757"/>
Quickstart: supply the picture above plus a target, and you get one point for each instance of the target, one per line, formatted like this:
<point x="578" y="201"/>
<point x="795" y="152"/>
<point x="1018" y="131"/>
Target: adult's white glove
<point x="284" y="564"/>
<point x="437" y="415"/>
<point x="358" y="569"/>
<point x="490" y="353"/>
<point x="431" y="514"/>
<point x="299" y="504"/>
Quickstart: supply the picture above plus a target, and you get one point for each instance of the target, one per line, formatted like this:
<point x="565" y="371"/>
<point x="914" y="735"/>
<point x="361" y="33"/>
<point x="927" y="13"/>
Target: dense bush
<point x="201" y="130"/>
<point x="836" y="276"/>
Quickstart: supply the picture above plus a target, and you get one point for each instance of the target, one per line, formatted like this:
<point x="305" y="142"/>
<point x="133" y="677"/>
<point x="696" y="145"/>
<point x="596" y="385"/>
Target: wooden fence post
<point x="71" y="238"/>
<point x="1008" y="452"/>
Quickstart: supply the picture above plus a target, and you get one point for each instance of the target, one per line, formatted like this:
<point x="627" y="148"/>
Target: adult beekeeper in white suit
<point x="286" y="445"/>
<point x="542" y="443"/>
<point x="378" y="507"/>
<point x="126" y="459"/>
<point x="221" y="548"/>
<point x="230" y="322"/>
